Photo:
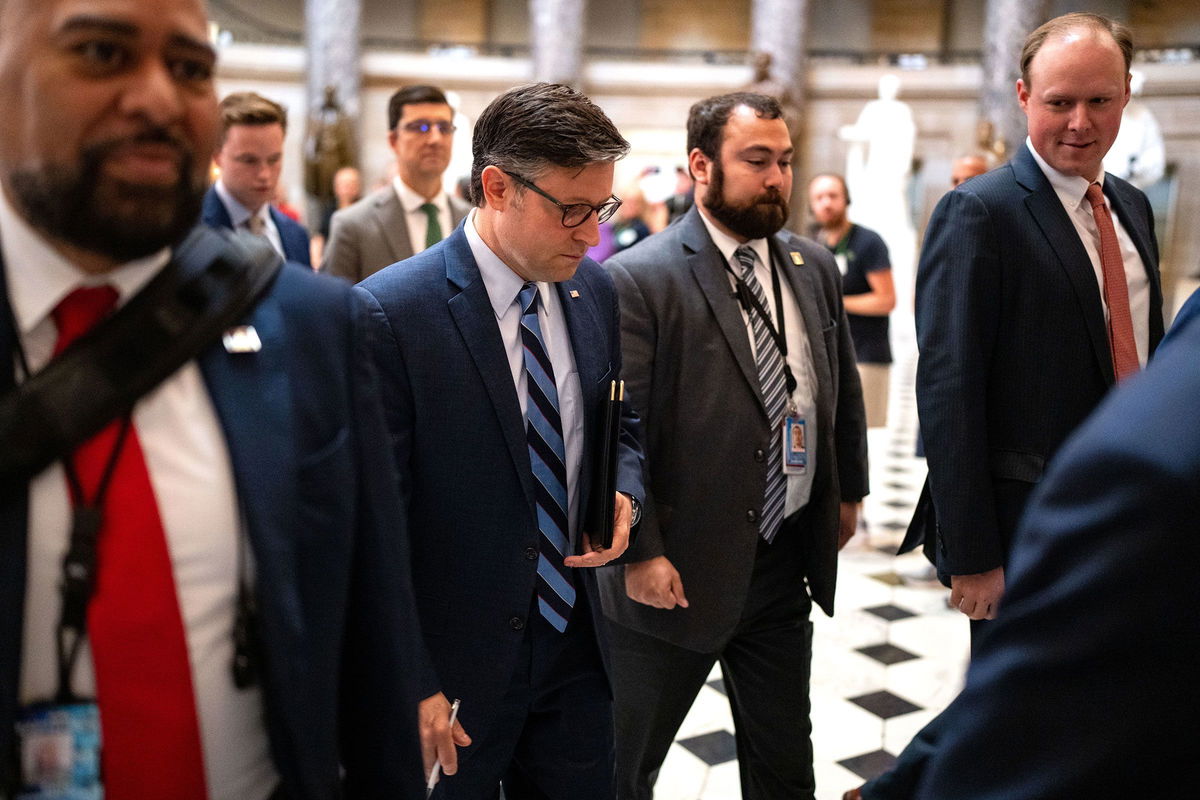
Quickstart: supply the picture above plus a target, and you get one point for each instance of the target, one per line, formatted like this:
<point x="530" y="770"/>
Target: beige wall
<point x="906" y="25"/>
<point x="695" y="25"/>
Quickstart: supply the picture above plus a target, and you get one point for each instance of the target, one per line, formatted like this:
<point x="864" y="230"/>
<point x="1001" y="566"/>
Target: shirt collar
<point x="238" y="213"/>
<point x="727" y="244"/>
<point x="411" y="201"/>
<point x="38" y="277"/>
<point x="502" y="283"/>
<point x="1069" y="188"/>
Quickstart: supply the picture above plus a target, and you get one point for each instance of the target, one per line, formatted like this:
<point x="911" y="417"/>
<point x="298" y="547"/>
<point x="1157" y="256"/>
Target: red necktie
<point x="150" y="735"/>
<point x="1116" y="292"/>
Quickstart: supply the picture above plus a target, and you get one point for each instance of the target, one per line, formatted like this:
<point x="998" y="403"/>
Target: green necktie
<point x="433" y="231"/>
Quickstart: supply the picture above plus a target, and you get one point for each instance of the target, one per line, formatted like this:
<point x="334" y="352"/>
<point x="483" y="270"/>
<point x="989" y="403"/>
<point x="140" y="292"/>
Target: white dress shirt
<point x="503" y="285"/>
<point x="799" y="356"/>
<point x="418" y="222"/>
<point x="1070" y="190"/>
<point x="239" y="215"/>
<point x="192" y="480"/>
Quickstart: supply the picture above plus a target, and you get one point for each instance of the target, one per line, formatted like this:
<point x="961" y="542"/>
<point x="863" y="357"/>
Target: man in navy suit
<point x="1028" y="307"/>
<point x="258" y="463"/>
<point x="250" y="156"/>
<point x="495" y="348"/>
<point x="1084" y="686"/>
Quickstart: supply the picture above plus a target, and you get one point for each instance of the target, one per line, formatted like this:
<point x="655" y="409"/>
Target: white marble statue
<point x="1138" y="154"/>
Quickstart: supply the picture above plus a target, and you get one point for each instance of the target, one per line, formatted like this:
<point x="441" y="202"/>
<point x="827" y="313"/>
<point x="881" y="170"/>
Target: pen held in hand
<point x="436" y="772"/>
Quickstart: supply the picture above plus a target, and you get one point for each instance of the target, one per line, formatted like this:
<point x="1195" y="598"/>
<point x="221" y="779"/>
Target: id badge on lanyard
<point x="795" y="442"/>
<point x="59" y="751"/>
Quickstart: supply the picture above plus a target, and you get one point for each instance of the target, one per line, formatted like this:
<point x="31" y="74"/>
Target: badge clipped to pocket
<point x="795" y="445"/>
<point x="60" y="752"/>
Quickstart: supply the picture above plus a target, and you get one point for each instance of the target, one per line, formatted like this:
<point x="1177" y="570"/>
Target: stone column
<point x="557" y="40"/>
<point x="1007" y="23"/>
<point x="779" y="30"/>
<point x="333" y="54"/>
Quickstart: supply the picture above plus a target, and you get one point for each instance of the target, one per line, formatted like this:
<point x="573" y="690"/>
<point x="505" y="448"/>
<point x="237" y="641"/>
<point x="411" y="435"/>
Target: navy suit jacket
<point x="1084" y="685"/>
<point x="342" y="651"/>
<point x="291" y="233"/>
<point x="1014" y="352"/>
<point x="459" y="440"/>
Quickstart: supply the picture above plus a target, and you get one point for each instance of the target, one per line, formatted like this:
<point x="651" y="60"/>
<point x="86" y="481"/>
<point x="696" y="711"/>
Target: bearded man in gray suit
<point x="739" y="360"/>
<point x="413" y="211"/>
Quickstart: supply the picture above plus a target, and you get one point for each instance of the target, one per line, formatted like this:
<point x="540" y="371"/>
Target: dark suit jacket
<point x="291" y="233"/>
<point x="1014" y="352"/>
<point x="372" y="234"/>
<point x="1084" y="685"/>
<point x="691" y="375"/>
<point x="343" y="655"/>
<point x="459" y="439"/>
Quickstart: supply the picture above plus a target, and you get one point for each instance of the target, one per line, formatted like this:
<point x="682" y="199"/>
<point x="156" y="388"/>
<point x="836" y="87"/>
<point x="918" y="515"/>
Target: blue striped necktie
<point x="770" y="378"/>
<point x="547" y="456"/>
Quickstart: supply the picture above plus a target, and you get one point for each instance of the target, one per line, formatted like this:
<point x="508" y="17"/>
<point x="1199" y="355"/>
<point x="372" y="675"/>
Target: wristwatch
<point x="637" y="510"/>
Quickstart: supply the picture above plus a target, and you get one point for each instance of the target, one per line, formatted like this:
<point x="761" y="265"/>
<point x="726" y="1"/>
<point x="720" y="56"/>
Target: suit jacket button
<point x="759" y="456"/>
<point x="516" y="623"/>
<point x="752" y="516"/>
<point x="531" y="553"/>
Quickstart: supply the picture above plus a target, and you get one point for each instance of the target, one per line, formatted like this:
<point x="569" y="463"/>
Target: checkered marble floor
<point x="892" y="657"/>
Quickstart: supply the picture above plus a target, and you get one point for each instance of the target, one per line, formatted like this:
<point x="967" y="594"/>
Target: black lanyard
<point x="80" y="563"/>
<point x="750" y="304"/>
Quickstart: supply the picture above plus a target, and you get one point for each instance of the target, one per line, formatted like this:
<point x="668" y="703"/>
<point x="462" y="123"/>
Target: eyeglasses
<point x="575" y="214"/>
<point x="423" y="126"/>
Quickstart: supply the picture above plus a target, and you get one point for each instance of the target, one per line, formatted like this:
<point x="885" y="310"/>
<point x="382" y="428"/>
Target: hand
<point x="437" y="740"/>
<point x="853" y="794"/>
<point x="599" y="556"/>
<point x="847" y="523"/>
<point x="978" y="596"/>
<point x="655" y="582"/>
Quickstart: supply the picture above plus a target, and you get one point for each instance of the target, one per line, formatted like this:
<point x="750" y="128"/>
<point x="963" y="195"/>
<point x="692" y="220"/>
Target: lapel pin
<point x="242" y="339"/>
<point x="575" y="293"/>
<point x="797" y="259"/>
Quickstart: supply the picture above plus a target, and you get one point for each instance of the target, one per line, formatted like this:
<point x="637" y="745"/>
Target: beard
<point x="81" y="206"/>
<point x="763" y="216"/>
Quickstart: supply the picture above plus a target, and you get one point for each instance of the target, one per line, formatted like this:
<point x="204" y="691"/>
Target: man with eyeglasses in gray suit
<point x="412" y="212"/>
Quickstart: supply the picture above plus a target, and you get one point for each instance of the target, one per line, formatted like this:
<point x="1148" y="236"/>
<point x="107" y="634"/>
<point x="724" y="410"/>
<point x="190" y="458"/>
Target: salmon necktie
<point x="1116" y="291"/>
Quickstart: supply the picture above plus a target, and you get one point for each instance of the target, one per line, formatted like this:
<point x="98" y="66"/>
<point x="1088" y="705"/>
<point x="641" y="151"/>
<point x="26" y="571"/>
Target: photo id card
<point x="60" y="752"/>
<point x="795" y="445"/>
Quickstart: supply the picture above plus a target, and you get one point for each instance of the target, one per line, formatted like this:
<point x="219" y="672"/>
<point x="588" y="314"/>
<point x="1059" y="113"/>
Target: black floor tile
<point x="712" y="748"/>
<point x="718" y="684"/>
<point x="890" y="612"/>
<point x="885" y="705"/>
<point x="870" y="765"/>
<point x="887" y="653"/>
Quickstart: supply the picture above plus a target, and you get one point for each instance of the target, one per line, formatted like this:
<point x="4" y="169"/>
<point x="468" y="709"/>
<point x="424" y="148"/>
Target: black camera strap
<point x="214" y="279"/>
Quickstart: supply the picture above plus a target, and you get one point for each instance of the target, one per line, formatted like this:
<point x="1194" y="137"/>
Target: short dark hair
<point x="249" y="108"/>
<point x="409" y="95"/>
<point x="707" y="118"/>
<point x="1076" y="21"/>
<point x="839" y="178"/>
<point x="532" y="127"/>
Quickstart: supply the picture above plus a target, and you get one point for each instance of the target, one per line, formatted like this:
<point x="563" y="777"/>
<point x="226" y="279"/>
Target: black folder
<point x="600" y="515"/>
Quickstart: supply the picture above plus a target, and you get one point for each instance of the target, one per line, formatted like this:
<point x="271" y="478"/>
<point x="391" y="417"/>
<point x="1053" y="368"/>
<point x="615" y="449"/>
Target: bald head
<point x="1074" y="25"/>
<point x="967" y="167"/>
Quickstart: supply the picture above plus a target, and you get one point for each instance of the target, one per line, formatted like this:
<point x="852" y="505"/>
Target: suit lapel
<point x="1051" y="218"/>
<point x="215" y="213"/>
<point x="806" y="291"/>
<point x="389" y="215"/>
<point x="584" y="320"/>
<point x="1139" y="231"/>
<point x="471" y="310"/>
<point x="251" y="393"/>
<point x="14" y="524"/>
<point x="708" y="267"/>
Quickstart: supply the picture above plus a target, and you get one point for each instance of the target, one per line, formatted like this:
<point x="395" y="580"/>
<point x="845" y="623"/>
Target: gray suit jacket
<point x="373" y="234"/>
<point x="691" y="377"/>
